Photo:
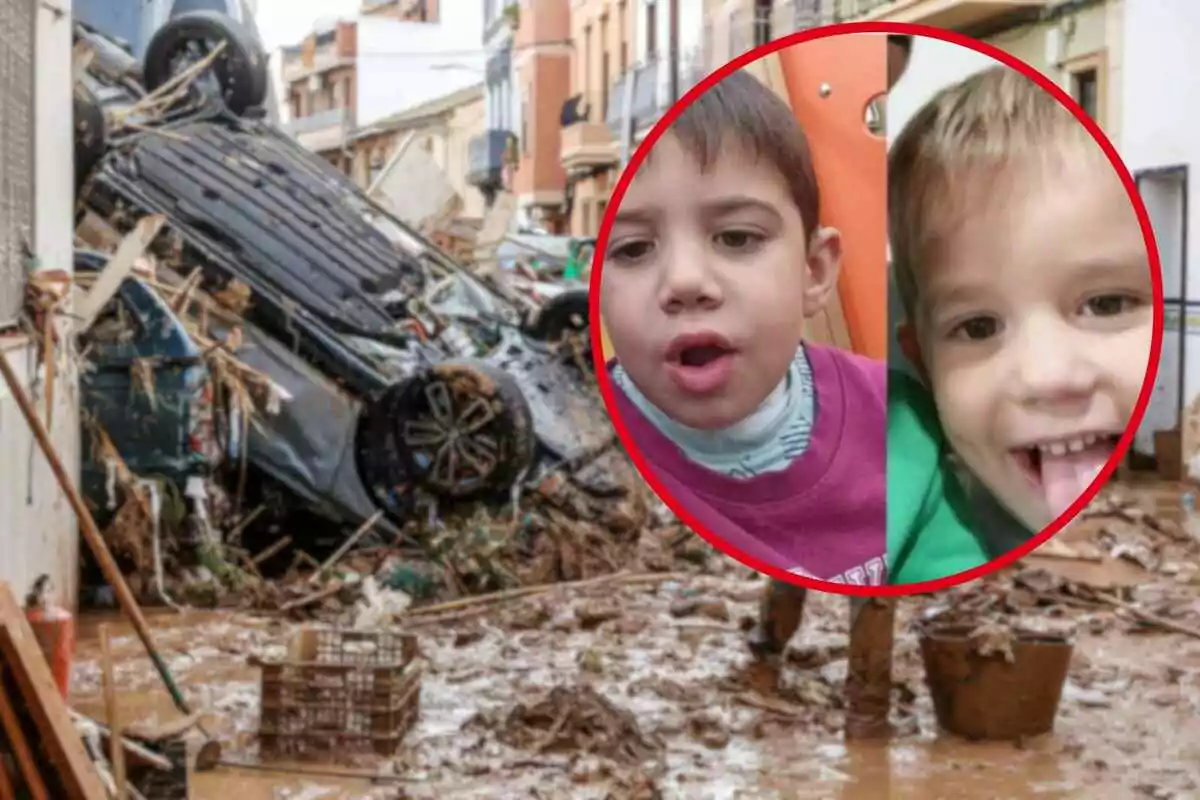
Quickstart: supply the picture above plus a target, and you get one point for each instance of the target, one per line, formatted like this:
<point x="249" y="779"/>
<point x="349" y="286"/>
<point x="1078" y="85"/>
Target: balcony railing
<point x="324" y="59"/>
<point x="486" y="154"/>
<point x="323" y="130"/>
<point x="953" y="14"/>
<point x="651" y="91"/>
<point x="587" y="144"/>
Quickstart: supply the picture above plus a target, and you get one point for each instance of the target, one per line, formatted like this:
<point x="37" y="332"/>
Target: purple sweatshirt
<point x="823" y="516"/>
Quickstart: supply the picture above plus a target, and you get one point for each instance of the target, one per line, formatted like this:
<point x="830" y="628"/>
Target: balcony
<point x="649" y="99"/>
<point x="950" y="14"/>
<point x="651" y="92"/>
<point x="322" y="131"/>
<point x="486" y="156"/>
<point x="324" y="59"/>
<point x="587" y="144"/>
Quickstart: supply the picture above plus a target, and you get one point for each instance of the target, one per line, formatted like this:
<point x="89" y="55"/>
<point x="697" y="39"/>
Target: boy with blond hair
<point x="1027" y="296"/>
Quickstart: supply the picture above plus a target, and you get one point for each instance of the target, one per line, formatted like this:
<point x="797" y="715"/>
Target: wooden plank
<point x="19" y="649"/>
<point x="117" y="756"/>
<point x="26" y="763"/>
<point x="119" y="267"/>
<point x="7" y="792"/>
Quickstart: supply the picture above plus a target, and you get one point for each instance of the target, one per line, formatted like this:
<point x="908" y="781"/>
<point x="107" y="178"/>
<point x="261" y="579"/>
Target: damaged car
<point x="409" y="381"/>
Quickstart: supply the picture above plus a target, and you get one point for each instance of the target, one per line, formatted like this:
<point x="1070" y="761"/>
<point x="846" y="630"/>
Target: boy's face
<point x="1035" y="327"/>
<point x="707" y="281"/>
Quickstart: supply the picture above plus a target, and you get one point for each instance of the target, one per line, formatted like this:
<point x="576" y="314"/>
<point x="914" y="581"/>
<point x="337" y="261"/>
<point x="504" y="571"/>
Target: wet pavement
<point x="667" y="661"/>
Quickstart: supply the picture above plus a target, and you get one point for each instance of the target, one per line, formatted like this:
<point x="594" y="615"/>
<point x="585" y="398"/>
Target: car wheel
<point x="240" y="71"/>
<point x="463" y="428"/>
<point x="91" y="134"/>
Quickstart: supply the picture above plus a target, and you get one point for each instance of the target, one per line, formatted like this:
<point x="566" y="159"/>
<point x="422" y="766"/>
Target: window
<point x="525" y="127"/>
<point x="604" y="85"/>
<point x="762" y="22"/>
<point x="604" y="66"/>
<point x="1085" y="85"/>
<point x="651" y="30"/>
<point x="622" y="28"/>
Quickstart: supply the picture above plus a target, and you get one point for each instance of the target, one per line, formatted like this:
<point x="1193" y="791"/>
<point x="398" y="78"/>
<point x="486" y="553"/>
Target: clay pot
<point x="986" y="697"/>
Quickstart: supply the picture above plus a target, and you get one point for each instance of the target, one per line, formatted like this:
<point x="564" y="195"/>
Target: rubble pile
<point x="567" y="523"/>
<point x="577" y="719"/>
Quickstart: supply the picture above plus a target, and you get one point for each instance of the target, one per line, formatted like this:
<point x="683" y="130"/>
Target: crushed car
<point x="410" y="381"/>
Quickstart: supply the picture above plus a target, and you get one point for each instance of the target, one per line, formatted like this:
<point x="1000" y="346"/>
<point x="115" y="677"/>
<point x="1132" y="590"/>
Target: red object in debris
<point x="54" y="628"/>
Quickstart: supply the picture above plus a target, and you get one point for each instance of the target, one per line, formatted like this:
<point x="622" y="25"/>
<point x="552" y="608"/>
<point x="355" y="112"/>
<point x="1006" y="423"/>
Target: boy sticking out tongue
<point x="1026" y="288"/>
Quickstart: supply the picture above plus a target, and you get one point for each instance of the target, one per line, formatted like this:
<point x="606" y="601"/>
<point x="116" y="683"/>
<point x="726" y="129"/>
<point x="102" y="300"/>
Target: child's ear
<point x="824" y="262"/>
<point x="906" y="334"/>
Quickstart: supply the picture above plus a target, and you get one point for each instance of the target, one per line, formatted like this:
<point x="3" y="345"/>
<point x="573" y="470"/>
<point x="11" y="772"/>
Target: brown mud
<point x="648" y="690"/>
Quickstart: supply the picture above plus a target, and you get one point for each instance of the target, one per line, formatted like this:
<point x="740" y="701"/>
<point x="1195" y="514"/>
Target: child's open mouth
<point x="1062" y="469"/>
<point x="700" y="363"/>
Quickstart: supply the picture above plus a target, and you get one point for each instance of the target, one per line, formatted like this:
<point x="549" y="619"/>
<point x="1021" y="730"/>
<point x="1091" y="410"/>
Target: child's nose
<point x="689" y="282"/>
<point x="1052" y="365"/>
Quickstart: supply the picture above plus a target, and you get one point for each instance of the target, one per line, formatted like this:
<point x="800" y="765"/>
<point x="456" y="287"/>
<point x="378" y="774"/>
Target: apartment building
<point x="632" y="60"/>
<point x="527" y="78"/>
<point x="321" y="79"/>
<point x="442" y="127"/>
<point x="391" y="57"/>
<point x="494" y="152"/>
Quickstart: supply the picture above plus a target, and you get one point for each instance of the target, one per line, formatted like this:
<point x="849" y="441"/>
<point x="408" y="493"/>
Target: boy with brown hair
<point x="715" y="259"/>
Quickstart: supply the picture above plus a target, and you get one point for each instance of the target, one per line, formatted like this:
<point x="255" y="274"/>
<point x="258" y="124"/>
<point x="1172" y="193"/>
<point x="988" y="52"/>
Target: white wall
<point x="1159" y="122"/>
<point x="38" y="534"/>
<point x="397" y="60"/>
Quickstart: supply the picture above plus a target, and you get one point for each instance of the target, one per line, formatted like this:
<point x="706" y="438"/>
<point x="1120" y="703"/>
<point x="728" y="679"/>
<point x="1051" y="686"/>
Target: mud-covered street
<point x="642" y="686"/>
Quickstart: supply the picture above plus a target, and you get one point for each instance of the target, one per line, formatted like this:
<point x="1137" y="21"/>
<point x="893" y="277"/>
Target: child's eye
<point x="738" y="240"/>
<point x="1110" y="305"/>
<point x="976" y="329"/>
<point x="632" y="251"/>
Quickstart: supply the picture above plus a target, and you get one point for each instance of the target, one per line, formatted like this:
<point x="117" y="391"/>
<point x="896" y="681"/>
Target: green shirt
<point x="927" y="510"/>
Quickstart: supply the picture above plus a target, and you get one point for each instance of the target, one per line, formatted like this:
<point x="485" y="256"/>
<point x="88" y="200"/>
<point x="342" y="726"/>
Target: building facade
<point x="542" y="72"/>
<point x="395" y="55"/>
<point x="443" y="127"/>
<point x="39" y="534"/>
<point x="633" y="59"/>
<point x="527" y="78"/>
<point x="1159" y="145"/>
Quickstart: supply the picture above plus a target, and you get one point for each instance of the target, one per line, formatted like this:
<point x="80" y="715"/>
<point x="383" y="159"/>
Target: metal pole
<point x="673" y="48"/>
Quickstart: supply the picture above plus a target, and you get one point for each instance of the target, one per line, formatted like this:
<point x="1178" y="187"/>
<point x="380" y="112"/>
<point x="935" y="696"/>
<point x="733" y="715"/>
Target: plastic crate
<point x="339" y="693"/>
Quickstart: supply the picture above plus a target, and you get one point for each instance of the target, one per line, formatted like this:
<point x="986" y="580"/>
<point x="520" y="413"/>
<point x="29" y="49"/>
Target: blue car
<point x="145" y="384"/>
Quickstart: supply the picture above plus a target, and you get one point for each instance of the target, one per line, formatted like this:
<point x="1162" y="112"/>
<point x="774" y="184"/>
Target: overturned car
<point x="406" y="379"/>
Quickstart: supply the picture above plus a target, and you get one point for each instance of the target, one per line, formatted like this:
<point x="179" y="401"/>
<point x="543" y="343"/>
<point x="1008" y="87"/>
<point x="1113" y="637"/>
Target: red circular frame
<point x="1123" y="445"/>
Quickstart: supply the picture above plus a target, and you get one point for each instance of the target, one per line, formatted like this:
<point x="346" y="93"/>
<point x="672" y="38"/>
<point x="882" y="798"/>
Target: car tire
<point x="478" y="440"/>
<point x="91" y="134"/>
<point x="241" y="69"/>
<point x="561" y="314"/>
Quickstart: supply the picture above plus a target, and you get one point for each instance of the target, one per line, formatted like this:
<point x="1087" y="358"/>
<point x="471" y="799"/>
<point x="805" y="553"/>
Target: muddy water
<point x="1128" y="726"/>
